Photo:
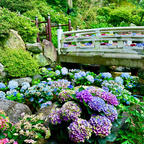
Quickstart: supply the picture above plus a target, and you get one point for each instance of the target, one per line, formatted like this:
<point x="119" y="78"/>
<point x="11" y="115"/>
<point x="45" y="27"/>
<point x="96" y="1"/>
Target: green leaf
<point x="128" y="120"/>
<point x="81" y="88"/>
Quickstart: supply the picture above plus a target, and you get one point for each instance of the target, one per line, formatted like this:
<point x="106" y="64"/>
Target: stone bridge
<point x="119" y="46"/>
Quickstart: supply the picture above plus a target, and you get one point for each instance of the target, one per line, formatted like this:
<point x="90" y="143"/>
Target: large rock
<point x="42" y="60"/>
<point x="21" y="80"/>
<point x="34" y="48"/>
<point x="14" y="109"/>
<point x="49" y="50"/>
<point x="37" y="77"/>
<point x="46" y="111"/>
<point x="14" y="41"/>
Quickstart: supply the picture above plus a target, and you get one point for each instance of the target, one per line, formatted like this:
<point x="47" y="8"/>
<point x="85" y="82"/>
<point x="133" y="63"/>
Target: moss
<point x="18" y="63"/>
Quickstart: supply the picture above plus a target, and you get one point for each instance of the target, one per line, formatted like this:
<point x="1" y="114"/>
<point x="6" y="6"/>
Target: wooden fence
<point x="48" y="27"/>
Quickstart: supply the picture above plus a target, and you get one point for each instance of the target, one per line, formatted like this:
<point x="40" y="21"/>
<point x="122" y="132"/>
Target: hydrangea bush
<point x="79" y="110"/>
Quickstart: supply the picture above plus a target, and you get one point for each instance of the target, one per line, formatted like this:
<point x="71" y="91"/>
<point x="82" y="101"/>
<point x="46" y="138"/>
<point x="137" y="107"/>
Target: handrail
<point x="105" y="29"/>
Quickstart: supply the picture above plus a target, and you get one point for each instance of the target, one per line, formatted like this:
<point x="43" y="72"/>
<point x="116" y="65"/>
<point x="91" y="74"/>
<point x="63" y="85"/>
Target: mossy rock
<point x="14" y="41"/>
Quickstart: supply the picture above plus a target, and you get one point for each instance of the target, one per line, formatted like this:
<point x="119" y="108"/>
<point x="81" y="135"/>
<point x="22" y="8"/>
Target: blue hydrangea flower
<point x="50" y="82"/>
<point x="12" y="92"/>
<point x="125" y="75"/>
<point x="2" y="86"/>
<point x="105" y="88"/>
<point x="25" y="86"/>
<point x="119" y="80"/>
<point x="44" y="82"/>
<point x="82" y="73"/>
<point x="46" y="104"/>
<point x="57" y="72"/>
<point x="110" y="112"/>
<point x="12" y="84"/>
<point x="77" y="76"/>
<point x="2" y="95"/>
<point x="40" y="100"/>
<point x="106" y="75"/>
<point x="90" y="78"/>
<point x="70" y="86"/>
<point x="97" y="104"/>
<point x="31" y="99"/>
<point x="64" y="71"/>
<point x="49" y="69"/>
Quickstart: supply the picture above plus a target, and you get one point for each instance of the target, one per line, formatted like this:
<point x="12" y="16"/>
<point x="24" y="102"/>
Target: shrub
<point x="11" y="20"/>
<point x="17" y="5"/>
<point x="18" y="63"/>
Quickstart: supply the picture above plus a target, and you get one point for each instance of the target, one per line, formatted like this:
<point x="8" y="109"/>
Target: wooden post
<point x="59" y="34"/>
<point x="69" y="24"/>
<point x="37" y="25"/>
<point x="49" y="28"/>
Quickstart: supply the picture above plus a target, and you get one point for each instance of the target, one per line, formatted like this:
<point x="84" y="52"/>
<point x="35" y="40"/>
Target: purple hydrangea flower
<point x="101" y="125"/>
<point x="97" y="104"/>
<point x="55" y="116"/>
<point x="70" y="111"/>
<point x="65" y="95"/>
<point x="110" y="112"/>
<point x="109" y="97"/>
<point x="84" y="95"/>
<point x="79" y="130"/>
<point x="90" y="78"/>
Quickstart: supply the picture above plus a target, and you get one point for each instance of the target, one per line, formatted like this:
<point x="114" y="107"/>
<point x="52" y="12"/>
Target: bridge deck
<point x="123" y="46"/>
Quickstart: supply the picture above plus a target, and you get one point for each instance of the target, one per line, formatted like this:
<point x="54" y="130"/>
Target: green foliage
<point x="18" y="98"/>
<point x="11" y="20"/>
<point x="133" y="131"/>
<point x="18" y="63"/>
<point x="17" y="5"/>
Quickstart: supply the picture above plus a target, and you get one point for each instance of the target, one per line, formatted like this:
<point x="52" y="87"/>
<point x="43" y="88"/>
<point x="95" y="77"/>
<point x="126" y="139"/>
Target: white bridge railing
<point x="116" y="42"/>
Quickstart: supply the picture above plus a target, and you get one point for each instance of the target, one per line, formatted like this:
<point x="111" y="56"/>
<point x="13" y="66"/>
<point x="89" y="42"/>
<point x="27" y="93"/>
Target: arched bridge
<point x="119" y="46"/>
